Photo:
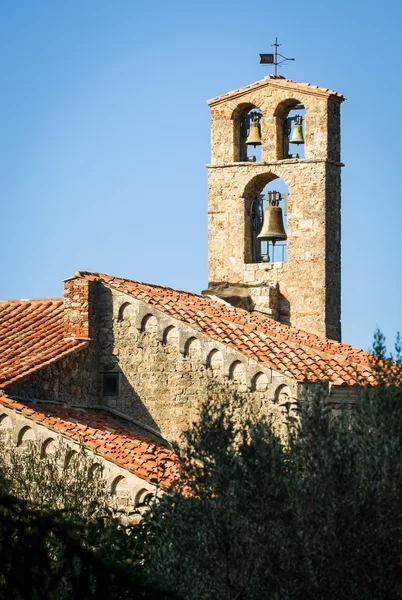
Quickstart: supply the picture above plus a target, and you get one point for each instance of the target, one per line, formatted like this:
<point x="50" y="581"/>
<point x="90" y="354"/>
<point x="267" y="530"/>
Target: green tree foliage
<point x="59" y="536"/>
<point x="63" y="479"/>
<point x="212" y="538"/>
<point x="317" y="516"/>
<point x="46" y="555"/>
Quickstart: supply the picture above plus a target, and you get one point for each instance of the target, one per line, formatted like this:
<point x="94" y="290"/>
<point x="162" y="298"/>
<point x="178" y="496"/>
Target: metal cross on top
<point x="272" y="59"/>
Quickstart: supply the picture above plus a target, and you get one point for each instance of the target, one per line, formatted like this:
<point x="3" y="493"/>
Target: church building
<point x="122" y="366"/>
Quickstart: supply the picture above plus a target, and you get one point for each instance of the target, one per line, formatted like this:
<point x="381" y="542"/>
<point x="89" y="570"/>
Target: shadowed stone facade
<point x="166" y="367"/>
<point x="304" y="291"/>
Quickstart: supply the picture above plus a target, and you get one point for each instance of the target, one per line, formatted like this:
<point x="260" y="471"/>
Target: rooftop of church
<point x="32" y="335"/>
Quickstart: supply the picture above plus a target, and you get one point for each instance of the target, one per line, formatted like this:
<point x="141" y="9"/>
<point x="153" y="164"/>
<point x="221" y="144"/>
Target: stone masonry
<point x="126" y="489"/>
<point x="164" y="367"/>
<point x="304" y="291"/>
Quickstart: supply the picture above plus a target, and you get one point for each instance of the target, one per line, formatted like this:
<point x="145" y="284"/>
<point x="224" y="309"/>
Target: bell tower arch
<point x="302" y="289"/>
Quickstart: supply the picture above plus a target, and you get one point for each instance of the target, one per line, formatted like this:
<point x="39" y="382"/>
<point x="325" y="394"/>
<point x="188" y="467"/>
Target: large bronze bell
<point x="297" y="134"/>
<point x="254" y="136"/>
<point x="272" y="229"/>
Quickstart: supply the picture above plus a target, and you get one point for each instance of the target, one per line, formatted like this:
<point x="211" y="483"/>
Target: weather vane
<point x="272" y="59"/>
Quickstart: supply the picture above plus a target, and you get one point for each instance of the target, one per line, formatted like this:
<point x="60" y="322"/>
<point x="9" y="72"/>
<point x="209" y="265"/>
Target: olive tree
<point x="316" y="516"/>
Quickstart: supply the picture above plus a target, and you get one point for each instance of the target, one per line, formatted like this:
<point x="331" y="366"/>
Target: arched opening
<point x="25" y="436"/>
<point x="118" y="485"/>
<point x="192" y="349"/>
<point x="237" y="373"/>
<point x="141" y="496"/>
<point x="283" y="395"/>
<point x="290" y="123"/>
<point x="6" y="426"/>
<point x="215" y="361"/>
<point x="149" y="324"/>
<point x="266" y="223"/>
<point x="70" y="457"/>
<point x="49" y="447"/>
<point x="120" y="491"/>
<point x="95" y="472"/>
<point x="259" y="383"/>
<point x="126" y="312"/>
<point x="247" y="122"/>
<point x="171" y="336"/>
<point x="6" y="423"/>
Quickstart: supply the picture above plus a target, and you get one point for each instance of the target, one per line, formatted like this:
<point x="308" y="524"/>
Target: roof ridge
<point x="105" y="277"/>
<point x="21" y="300"/>
<point x="276" y="82"/>
<point x="247" y="320"/>
<point x="32" y="333"/>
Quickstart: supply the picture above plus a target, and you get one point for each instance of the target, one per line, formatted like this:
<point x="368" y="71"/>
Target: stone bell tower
<point x="304" y="290"/>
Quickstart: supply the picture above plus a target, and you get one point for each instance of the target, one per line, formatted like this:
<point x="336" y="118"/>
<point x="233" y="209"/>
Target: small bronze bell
<point x="297" y="135"/>
<point x="272" y="229"/>
<point x="254" y="136"/>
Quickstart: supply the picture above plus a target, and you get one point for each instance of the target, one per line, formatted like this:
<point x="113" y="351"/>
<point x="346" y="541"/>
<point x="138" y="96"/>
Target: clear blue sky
<point x="105" y="134"/>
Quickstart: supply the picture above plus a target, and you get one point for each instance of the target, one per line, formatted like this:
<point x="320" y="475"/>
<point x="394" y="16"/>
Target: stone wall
<point x="308" y="283"/>
<point x="79" y="308"/>
<point x="126" y="489"/>
<point x="166" y="367"/>
<point x="73" y="379"/>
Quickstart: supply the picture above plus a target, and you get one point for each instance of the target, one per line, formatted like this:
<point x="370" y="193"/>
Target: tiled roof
<point x="104" y="435"/>
<point x="278" y="82"/>
<point x="290" y="351"/>
<point x="31" y="337"/>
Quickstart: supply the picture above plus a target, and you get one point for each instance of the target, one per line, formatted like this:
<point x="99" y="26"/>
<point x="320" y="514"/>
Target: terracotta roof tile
<point x="90" y="427"/>
<point x="31" y="336"/>
<point x="290" y="351"/>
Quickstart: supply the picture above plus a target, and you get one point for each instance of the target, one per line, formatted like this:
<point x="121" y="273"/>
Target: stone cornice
<point x="278" y="83"/>
<point x="290" y="161"/>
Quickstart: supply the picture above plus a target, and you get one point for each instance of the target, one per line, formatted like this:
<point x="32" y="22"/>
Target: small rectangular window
<point x="110" y="384"/>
